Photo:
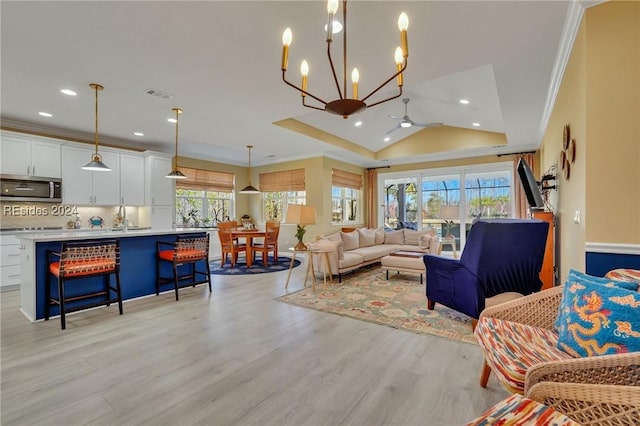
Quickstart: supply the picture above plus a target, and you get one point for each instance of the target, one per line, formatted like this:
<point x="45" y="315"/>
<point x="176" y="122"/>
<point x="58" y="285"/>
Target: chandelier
<point x="345" y="106"/>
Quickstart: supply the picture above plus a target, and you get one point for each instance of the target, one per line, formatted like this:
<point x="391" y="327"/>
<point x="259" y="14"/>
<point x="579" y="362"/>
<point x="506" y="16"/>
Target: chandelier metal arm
<point x="300" y="90"/>
<point x="388" y="99"/>
<point x="385" y="83"/>
<point x="311" y="106"/>
<point x="333" y="71"/>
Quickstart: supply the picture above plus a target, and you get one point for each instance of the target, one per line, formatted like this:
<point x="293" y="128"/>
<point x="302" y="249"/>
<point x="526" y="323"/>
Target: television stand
<point x="548" y="271"/>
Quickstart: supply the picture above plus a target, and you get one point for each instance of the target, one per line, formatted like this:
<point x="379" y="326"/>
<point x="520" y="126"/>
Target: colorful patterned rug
<point x="399" y="303"/>
<point x="256" y="268"/>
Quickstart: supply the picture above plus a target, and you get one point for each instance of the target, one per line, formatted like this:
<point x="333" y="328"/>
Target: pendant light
<point x="175" y="173"/>
<point x="249" y="189"/>
<point x="96" y="164"/>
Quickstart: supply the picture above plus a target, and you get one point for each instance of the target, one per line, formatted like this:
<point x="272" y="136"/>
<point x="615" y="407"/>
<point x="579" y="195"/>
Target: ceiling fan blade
<point x="427" y="124"/>
<point x="392" y="130"/>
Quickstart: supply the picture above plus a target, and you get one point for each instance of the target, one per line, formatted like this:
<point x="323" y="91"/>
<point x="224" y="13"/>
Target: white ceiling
<point x="221" y="62"/>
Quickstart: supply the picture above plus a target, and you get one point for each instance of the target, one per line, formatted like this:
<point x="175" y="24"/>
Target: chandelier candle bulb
<point x="355" y="77"/>
<point x="403" y="25"/>
<point x="398" y="58"/>
<point x="286" y="42"/>
<point x="332" y="8"/>
<point x="304" y="70"/>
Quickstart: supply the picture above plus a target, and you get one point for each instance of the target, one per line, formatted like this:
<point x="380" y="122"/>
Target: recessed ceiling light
<point x="387" y="139"/>
<point x="464" y="101"/>
<point x="138" y="133"/>
<point x="358" y="123"/>
<point x="337" y="27"/>
<point x="68" y="92"/>
<point x="45" y="114"/>
<point x="172" y="120"/>
<point x="476" y="124"/>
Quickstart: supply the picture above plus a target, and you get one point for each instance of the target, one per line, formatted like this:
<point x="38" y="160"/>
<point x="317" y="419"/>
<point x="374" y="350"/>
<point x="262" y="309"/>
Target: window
<point x="204" y="198"/>
<point x="488" y="194"/>
<point x="279" y="189"/>
<point x="275" y="203"/>
<point x="345" y="197"/>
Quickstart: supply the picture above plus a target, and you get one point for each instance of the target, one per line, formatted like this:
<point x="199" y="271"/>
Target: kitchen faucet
<point x="122" y="214"/>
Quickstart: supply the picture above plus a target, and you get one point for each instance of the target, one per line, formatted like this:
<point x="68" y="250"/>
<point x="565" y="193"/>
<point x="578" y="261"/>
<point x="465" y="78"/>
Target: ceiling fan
<point x="407" y="122"/>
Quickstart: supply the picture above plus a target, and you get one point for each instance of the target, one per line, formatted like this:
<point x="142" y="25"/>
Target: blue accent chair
<point x="500" y="256"/>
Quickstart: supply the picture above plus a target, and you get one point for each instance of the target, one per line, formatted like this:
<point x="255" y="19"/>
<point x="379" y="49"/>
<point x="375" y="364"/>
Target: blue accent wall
<point x="598" y="264"/>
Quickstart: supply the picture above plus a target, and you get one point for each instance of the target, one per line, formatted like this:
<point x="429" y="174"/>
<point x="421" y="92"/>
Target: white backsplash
<point x="30" y="215"/>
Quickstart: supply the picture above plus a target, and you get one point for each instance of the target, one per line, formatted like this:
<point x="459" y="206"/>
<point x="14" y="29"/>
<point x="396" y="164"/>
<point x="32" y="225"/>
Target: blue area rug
<point x="240" y="268"/>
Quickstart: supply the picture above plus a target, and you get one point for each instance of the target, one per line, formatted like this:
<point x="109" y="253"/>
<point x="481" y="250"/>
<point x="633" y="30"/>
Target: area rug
<point x="240" y="268"/>
<point x="399" y="303"/>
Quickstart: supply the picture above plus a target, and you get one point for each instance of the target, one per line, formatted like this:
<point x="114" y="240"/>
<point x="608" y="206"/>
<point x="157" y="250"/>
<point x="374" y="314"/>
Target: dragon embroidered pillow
<point x="598" y="320"/>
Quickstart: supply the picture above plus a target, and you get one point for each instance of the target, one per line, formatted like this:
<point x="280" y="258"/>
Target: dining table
<point x="248" y="235"/>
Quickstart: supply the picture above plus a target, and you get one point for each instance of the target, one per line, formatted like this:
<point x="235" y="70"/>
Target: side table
<point x="310" y="271"/>
<point x="451" y="241"/>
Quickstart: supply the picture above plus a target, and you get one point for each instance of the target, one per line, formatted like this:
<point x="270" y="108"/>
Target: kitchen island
<point x="137" y="263"/>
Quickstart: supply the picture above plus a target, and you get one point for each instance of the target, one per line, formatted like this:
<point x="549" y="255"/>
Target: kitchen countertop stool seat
<point x="83" y="260"/>
<point x="188" y="252"/>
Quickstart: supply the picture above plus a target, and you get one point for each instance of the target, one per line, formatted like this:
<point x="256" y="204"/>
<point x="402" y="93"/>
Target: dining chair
<point x="228" y="245"/>
<point x="270" y="243"/>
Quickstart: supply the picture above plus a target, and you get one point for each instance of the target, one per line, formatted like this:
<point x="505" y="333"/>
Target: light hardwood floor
<point x="235" y="357"/>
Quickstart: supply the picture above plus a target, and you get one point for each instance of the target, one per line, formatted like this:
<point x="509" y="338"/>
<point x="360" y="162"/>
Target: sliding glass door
<point x="450" y="199"/>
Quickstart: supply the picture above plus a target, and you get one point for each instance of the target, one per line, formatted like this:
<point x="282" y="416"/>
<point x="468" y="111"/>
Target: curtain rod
<point x="517" y="153"/>
<point x="379" y="167"/>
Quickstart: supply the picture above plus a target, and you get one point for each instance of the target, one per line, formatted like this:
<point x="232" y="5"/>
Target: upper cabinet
<point x="30" y="156"/>
<point x="161" y="191"/>
<point x="132" y="180"/>
<point x="84" y="187"/>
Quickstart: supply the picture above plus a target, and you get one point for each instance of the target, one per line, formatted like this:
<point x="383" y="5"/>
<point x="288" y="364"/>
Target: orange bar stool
<point x="83" y="259"/>
<point x="189" y="249"/>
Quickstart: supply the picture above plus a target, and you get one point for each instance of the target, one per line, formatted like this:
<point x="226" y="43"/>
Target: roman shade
<point x="286" y="180"/>
<point x="205" y="180"/>
<point x="346" y="179"/>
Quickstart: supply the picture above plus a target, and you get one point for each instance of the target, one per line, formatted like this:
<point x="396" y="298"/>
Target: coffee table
<point x="404" y="261"/>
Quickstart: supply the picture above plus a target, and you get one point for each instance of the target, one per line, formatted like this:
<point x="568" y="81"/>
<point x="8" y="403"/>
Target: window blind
<point x="205" y="180"/>
<point x="346" y="179"/>
<point x="287" y="180"/>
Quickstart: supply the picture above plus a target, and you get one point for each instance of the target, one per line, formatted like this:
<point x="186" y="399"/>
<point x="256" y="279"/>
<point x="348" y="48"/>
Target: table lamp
<point x="449" y="214"/>
<point x="301" y="215"/>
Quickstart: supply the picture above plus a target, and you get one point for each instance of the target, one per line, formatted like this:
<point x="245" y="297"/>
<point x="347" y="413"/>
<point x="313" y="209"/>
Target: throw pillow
<point x="599" y="319"/>
<point x="367" y="237"/>
<point x="424" y="243"/>
<point x="337" y="238"/>
<point x="379" y="239"/>
<point x="576" y="276"/>
<point x="412" y="237"/>
<point x="394" y="237"/>
<point x="350" y="240"/>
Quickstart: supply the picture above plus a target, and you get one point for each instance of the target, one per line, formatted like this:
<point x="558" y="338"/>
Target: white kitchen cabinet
<point x="30" y="156"/>
<point x="132" y="180"/>
<point x="83" y="187"/>
<point x="161" y="191"/>
<point x="9" y="262"/>
<point x="162" y="217"/>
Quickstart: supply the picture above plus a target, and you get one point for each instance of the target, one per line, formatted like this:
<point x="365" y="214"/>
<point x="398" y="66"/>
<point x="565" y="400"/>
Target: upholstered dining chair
<point x="229" y="246"/>
<point x="270" y="243"/>
<point x="500" y="261"/>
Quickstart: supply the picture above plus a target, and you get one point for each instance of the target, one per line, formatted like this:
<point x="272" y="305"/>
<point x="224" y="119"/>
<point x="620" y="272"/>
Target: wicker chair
<point x="598" y="390"/>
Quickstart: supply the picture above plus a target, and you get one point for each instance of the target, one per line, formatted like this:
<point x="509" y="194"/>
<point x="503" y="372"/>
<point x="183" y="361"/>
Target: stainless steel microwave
<point x="30" y="188"/>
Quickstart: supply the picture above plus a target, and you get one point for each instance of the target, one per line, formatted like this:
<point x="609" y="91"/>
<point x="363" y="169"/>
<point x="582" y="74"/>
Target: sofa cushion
<point x="512" y="348"/>
<point x="336" y="237"/>
<point x="518" y="410"/>
<point x="351" y="259"/>
<point x="350" y="240"/>
<point x="424" y="243"/>
<point x="379" y="238"/>
<point x="598" y="319"/>
<point x="394" y="237"/>
<point x="373" y="252"/>
<point x="366" y="236"/>
<point x="412" y="237"/>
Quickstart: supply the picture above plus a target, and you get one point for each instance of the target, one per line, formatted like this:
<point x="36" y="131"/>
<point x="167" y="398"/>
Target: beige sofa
<point x="364" y="246"/>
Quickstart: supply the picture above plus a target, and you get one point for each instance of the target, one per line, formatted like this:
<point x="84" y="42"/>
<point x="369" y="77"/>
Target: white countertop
<point x="70" y="234"/>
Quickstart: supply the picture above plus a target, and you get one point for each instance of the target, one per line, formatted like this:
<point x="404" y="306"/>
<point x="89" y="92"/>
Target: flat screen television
<point x="530" y="186"/>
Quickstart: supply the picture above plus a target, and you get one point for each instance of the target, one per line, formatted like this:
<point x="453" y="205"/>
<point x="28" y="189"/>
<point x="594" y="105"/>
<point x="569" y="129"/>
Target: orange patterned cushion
<point x="518" y="410"/>
<point x="76" y="268"/>
<point x="510" y="349"/>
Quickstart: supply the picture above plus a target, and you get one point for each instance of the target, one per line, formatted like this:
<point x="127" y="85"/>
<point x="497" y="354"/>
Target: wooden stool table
<point x="310" y="270"/>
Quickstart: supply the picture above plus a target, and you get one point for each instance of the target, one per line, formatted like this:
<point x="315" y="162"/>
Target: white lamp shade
<point x="301" y="214"/>
<point x="449" y="213"/>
